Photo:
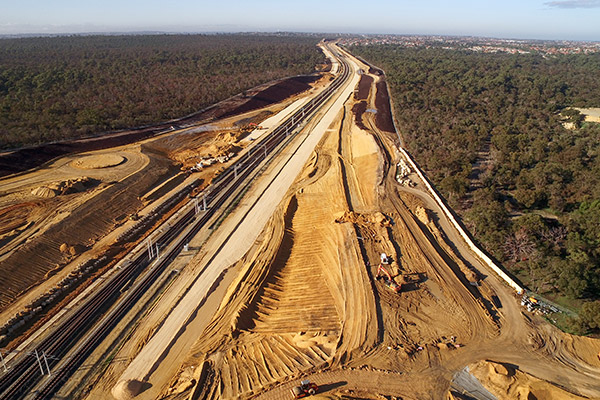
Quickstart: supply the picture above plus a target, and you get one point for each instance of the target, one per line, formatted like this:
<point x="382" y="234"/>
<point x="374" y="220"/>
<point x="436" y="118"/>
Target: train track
<point x="82" y="332"/>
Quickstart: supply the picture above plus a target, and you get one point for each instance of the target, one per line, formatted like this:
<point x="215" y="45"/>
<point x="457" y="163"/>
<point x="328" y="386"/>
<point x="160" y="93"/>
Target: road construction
<point x="326" y="267"/>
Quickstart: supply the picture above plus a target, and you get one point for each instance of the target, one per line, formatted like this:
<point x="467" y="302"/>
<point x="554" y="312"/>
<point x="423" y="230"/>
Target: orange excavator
<point x="383" y="273"/>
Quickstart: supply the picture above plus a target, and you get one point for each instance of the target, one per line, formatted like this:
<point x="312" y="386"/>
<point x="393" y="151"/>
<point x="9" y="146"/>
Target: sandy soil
<point x="304" y="301"/>
<point x="591" y="114"/>
<point x="99" y="161"/>
<point x="307" y="304"/>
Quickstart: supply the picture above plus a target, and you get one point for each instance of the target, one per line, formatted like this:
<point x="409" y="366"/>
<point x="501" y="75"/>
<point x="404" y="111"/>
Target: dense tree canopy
<point x="488" y="129"/>
<point x="66" y="87"/>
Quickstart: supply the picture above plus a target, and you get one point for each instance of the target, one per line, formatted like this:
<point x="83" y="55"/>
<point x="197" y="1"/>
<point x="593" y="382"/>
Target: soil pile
<point x="363" y="219"/>
<point x="65" y="187"/>
<point x="44" y="192"/>
<point x="507" y="382"/>
<point x="126" y="390"/>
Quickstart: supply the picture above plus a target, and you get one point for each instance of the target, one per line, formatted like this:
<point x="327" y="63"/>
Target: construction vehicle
<point x="387" y="278"/>
<point x="306" y="388"/>
<point x="385" y="259"/>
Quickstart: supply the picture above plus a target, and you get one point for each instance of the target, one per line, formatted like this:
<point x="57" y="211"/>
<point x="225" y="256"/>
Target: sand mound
<point x="356" y="218"/>
<point x="65" y="187"/>
<point x="506" y="382"/>
<point x="127" y="389"/>
<point x="307" y="340"/>
<point x="44" y="192"/>
<point x="422" y="215"/>
<point x="99" y="161"/>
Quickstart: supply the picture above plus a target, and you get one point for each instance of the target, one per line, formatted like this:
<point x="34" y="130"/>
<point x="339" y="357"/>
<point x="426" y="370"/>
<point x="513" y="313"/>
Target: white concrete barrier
<point x="459" y="228"/>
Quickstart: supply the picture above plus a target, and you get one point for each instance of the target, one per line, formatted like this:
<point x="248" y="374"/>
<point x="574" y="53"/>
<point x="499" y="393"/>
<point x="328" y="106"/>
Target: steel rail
<point x="18" y="381"/>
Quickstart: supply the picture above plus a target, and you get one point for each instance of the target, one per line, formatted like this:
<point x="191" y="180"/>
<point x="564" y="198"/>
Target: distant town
<point x="483" y="45"/>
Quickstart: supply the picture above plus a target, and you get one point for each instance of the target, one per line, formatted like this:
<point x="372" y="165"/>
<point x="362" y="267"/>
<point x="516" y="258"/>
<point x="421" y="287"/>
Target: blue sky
<point x="536" y="19"/>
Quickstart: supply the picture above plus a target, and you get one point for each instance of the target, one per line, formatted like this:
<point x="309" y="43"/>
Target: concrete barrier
<point x="487" y="260"/>
<point x="445" y="209"/>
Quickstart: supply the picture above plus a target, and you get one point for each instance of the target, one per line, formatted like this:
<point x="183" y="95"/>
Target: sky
<point x="522" y="19"/>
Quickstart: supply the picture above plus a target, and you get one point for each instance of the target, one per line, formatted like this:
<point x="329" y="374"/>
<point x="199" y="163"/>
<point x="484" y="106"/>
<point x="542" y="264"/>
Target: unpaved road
<point x="302" y="308"/>
<point x="302" y="300"/>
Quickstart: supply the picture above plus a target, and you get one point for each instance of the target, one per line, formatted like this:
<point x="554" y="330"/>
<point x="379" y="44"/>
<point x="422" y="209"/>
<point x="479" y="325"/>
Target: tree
<point x="590" y="315"/>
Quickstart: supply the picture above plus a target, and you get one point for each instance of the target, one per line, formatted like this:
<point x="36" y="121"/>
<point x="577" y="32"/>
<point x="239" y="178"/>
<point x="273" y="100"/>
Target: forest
<point x="490" y="132"/>
<point x="55" y="88"/>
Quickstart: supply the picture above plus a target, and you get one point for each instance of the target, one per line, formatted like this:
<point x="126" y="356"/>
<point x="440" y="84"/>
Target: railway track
<point x="83" y="331"/>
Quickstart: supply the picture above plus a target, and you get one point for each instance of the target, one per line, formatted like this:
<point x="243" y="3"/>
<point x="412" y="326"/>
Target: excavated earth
<point x="308" y="302"/>
<point x="73" y="209"/>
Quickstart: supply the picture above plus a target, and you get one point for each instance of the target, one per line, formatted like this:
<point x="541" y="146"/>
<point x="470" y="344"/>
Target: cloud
<point x="574" y="3"/>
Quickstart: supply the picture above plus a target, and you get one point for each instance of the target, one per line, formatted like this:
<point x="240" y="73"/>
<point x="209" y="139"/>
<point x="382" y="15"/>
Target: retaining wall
<point x="487" y="260"/>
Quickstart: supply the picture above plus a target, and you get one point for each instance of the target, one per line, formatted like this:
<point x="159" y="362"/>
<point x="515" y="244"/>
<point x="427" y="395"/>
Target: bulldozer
<point x="306" y="388"/>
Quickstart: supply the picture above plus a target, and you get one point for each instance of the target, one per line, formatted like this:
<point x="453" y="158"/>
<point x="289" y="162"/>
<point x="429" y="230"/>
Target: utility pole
<point x="3" y="362"/>
<point x="150" y="249"/>
<point x="37" y="356"/>
<point x="46" y="361"/>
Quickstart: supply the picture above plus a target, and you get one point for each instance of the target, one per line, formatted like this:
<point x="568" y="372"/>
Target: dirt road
<point x="289" y="287"/>
<point x="313" y="291"/>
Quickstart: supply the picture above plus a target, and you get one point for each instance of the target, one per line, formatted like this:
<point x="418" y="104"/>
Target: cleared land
<point x="305" y="301"/>
<point x="591" y="114"/>
<point x="78" y="207"/>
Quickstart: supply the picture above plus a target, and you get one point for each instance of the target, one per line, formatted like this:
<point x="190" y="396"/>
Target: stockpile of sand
<point x="507" y="382"/>
<point x="363" y="219"/>
<point x="44" y="192"/>
<point x="127" y="389"/>
<point x="98" y="161"/>
<point x="65" y="187"/>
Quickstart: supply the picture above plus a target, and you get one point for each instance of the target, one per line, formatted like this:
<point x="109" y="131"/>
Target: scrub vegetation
<point x="68" y="87"/>
<point x="491" y="132"/>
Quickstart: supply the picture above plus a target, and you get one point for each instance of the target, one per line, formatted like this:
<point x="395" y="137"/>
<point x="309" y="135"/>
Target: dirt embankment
<point x="383" y="119"/>
<point x="16" y="161"/>
<point x="359" y="109"/>
<point x="505" y="381"/>
<point x="364" y="87"/>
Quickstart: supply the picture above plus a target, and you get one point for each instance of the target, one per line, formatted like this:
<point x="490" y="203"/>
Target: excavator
<point x="386" y="276"/>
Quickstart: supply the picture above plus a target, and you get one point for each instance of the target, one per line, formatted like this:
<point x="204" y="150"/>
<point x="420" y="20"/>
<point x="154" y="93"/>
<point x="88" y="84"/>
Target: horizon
<point x="568" y="20"/>
<point x="316" y="33"/>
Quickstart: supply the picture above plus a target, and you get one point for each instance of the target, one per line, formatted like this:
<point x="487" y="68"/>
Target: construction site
<point x="334" y="271"/>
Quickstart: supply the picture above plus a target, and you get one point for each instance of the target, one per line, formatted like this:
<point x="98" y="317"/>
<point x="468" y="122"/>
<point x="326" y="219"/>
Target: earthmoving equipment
<point x="387" y="278"/>
<point x="306" y="388"/>
<point x="385" y="259"/>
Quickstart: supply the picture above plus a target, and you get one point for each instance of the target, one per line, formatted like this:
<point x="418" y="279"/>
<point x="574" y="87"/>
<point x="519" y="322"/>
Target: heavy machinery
<point x="306" y="388"/>
<point x="387" y="278"/>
